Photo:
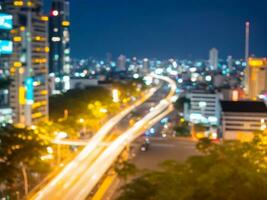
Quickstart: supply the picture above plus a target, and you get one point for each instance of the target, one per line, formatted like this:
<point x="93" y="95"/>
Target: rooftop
<point x="244" y="106"/>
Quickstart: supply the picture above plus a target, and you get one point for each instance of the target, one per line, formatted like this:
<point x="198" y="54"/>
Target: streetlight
<point x="82" y="122"/>
<point x="103" y="110"/>
<point x="59" y="136"/>
<point x="116" y="95"/>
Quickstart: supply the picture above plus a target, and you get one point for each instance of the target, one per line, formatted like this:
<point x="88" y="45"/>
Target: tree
<point x="125" y="169"/>
<point x="179" y="104"/>
<point x="20" y="156"/>
<point x="228" y="171"/>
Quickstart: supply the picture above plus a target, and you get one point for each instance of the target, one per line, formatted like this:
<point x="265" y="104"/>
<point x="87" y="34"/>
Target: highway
<point x="81" y="175"/>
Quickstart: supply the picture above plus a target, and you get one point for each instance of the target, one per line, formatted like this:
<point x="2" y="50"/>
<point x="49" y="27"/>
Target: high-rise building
<point x="145" y="66"/>
<point x="213" y="58"/>
<point x="59" y="38"/>
<point x="29" y="62"/>
<point x="122" y="62"/>
<point x="256" y="77"/>
<point x="230" y="62"/>
<point x="6" y="25"/>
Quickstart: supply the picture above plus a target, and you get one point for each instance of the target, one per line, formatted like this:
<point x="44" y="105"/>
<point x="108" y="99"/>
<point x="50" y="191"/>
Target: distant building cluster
<point x="233" y="104"/>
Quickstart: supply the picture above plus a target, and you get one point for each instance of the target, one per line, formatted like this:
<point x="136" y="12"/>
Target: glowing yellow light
<point x="116" y="95"/>
<point x="18" y="3"/>
<point x="235" y="95"/>
<point x="12" y="70"/>
<point x="40" y="60"/>
<point x="47" y="49"/>
<point x="44" y="18"/>
<point x="36" y="83"/>
<point x="29" y="3"/>
<point x="44" y="92"/>
<point x="21" y="70"/>
<point x="65" y="23"/>
<point x="38" y="38"/>
<point x="37" y="115"/>
<point x="50" y="150"/>
<point x="22" y="28"/>
<point x="17" y="39"/>
<point x="21" y="95"/>
<point x="257" y="62"/>
<point x="81" y="120"/>
<point x="39" y="104"/>
<point x="17" y="64"/>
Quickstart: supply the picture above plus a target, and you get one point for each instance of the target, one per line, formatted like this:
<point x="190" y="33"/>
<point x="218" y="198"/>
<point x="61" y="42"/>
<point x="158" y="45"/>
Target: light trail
<point x="78" y="179"/>
<point x="88" y="151"/>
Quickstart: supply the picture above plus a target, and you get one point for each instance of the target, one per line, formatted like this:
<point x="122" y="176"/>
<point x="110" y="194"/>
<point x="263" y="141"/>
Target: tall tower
<point x="213" y="58"/>
<point x="29" y="62"/>
<point x="248" y="69"/>
<point x="247" y="41"/>
<point x="59" y="38"/>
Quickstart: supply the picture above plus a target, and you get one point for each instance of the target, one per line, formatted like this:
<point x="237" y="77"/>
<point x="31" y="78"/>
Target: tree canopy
<point x="228" y="171"/>
<point x="21" y="147"/>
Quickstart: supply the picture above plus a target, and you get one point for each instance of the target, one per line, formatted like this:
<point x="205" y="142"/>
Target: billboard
<point x="29" y="90"/>
<point x="6" y="21"/>
<point x="257" y="62"/>
<point x="6" y="47"/>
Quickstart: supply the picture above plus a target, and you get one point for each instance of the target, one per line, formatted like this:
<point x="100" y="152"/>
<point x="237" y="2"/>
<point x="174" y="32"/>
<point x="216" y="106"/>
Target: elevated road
<point x="81" y="175"/>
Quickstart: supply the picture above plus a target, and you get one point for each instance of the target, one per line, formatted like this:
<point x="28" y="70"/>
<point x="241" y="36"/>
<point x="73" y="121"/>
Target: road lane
<point x="79" y="178"/>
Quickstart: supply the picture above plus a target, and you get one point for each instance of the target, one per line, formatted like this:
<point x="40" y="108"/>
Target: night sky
<point x="166" y="28"/>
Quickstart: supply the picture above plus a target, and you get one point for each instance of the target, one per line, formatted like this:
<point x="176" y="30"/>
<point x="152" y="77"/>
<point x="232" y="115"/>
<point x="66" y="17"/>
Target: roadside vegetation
<point x="22" y="159"/>
<point x="231" y="170"/>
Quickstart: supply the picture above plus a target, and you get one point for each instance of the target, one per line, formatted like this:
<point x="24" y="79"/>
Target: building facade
<point x="6" y="49"/>
<point x="204" y="107"/>
<point x="59" y="38"/>
<point x="214" y="58"/>
<point x="256" y="77"/>
<point x="28" y="64"/>
<point x="240" y="119"/>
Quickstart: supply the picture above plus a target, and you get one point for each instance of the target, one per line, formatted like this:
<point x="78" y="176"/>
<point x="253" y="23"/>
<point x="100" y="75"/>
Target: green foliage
<point x="125" y="169"/>
<point x="20" y="146"/>
<point x="182" y="130"/>
<point x="88" y="104"/>
<point x="179" y="104"/>
<point x="228" y="171"/>
<point x="76" y="101"/>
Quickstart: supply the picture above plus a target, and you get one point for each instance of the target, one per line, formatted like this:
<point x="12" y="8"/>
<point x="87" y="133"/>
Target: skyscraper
<point x="213" y="58"/>
<point x="145" y="66"/>
<point x="59" y="38"/>
<point x="6" y="46"/>
<point x="29" y="62"/>
<point x="122" y="62"/>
